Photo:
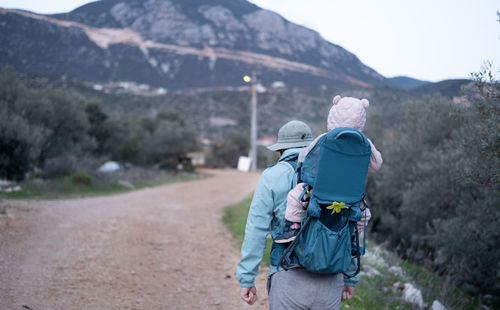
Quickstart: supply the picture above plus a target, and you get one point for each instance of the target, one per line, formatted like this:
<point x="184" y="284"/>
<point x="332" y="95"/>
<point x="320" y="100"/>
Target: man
<point x="297" y="288"/>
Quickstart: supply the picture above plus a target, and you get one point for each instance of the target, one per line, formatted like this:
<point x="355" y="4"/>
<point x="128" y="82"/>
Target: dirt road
<point x="157" y="248"/>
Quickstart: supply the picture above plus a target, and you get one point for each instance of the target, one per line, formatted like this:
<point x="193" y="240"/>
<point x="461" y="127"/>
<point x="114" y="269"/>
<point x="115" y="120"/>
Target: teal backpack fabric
<point x="335" y="170"/>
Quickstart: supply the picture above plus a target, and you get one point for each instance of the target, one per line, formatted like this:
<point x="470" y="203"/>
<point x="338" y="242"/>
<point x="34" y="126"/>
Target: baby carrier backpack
<point x="334" y="172"/>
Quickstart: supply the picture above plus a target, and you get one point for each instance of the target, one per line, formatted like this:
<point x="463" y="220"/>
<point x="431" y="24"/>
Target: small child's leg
<point x="289" y="233"/>
<point x="294" y="214"/>
<point x="294" y="207"/>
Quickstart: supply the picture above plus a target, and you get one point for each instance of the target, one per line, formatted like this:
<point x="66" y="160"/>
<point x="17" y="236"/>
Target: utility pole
<point x="253" y="120"/>
<point x="253" y="137"/>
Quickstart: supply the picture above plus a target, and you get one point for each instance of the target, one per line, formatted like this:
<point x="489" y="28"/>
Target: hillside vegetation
<point x="436" y="200"/>
<point x="52" y="133"/>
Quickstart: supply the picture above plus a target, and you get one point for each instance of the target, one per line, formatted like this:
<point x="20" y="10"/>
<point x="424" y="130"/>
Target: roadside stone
<point x="16" y="188"/>
<point x="436" y="305"/>
<point x="126" y="184"/>
<point x="490" y="300"/>
<point x="5" y="183"/>
<point x="370" y="271"/>
<point x="413" y="295"/>
<point x="396" y="270"/>
<point x="487" y="297"/>
<point x="110" y="166"/>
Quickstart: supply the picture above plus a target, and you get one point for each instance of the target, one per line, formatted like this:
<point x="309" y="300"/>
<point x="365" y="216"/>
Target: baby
<point x="345" y="112"/>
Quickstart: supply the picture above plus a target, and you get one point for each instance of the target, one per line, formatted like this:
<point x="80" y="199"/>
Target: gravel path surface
<point x="156" y="248"/>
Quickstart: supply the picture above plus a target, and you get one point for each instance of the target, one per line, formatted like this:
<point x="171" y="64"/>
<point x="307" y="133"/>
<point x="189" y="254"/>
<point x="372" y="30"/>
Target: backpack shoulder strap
<point x="292" y="164"/>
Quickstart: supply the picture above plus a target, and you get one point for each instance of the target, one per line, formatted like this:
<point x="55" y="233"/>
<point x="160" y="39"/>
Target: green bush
<point x="19" y="146"/>
<point x="81" y="178"/>
<point x="42" y="128"/>
<point x="436" y="198"/>
<point x="227" y="148"/>
<point x="37" y="125"/>
<point x="169" y="140"/>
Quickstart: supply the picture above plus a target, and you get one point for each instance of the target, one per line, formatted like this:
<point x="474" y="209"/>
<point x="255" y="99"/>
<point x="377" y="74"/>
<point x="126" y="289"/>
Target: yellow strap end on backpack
<point x="336" y="207"/>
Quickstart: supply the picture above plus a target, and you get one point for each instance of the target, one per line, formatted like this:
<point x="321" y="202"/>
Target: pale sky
<point x="425" y="39"/>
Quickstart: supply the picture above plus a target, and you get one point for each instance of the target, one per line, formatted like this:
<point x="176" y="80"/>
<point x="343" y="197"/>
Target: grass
<point x="81" y="185"/>
<point x="235" y="218"/>
<point x="375" y="292"/>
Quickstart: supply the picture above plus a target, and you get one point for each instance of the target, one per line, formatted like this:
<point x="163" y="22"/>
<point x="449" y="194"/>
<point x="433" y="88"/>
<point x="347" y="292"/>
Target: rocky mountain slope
<point x="176" y="44"/>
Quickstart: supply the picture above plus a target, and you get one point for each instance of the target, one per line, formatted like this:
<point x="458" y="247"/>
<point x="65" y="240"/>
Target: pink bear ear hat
<point x="347" y="112"/>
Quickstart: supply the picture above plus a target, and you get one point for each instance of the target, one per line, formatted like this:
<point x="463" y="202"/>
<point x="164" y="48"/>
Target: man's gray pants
<point x="298" y="289"/>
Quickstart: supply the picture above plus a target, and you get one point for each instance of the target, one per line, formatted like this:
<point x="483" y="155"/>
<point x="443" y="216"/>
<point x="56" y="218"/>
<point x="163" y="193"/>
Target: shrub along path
<point x="156" y="248"/>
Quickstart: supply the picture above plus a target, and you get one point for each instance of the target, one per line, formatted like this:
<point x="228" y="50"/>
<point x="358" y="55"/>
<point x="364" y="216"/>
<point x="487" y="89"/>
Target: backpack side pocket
<point x="325" y="251"/>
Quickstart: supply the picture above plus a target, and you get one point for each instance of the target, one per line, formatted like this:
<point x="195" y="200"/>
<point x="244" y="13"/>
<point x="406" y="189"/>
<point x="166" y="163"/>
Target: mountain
<point x="448" y="88"/>
<point x="176" y="44"/>
<point x="406" y="83"/>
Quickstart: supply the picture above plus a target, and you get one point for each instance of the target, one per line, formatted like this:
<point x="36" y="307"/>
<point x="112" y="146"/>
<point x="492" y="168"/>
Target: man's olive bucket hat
<point x="292" y="134"/>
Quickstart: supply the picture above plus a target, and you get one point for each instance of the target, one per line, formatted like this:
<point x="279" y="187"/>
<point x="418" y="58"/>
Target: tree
<point x="39" y="125"/>
<point x="474" y="256"/>
<point x="406" y="149"/>
<point x="439" y="187"/>
<point x="67" y="122"/>
<point x="169" y="140"/>
<point x="100" y="129"/>
<point x="20" y="141"/>
<point x="19" y="146"/>
<point x="128" y="139"/>
<point x="226" y="150"/>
